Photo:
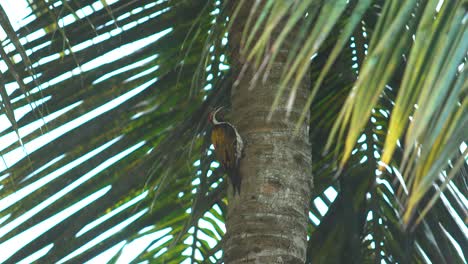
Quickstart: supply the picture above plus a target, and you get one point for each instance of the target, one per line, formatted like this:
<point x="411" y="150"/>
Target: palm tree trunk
<point x="267" y="223"/>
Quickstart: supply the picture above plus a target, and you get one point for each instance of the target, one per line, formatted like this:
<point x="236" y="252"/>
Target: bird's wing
<point x="223" y="138"/>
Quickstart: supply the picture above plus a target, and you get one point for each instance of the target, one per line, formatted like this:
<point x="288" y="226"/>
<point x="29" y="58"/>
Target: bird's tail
<point x="236" y="180"/>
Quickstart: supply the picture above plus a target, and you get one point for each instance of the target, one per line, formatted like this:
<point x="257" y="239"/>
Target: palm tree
<point x="353" y="113"/>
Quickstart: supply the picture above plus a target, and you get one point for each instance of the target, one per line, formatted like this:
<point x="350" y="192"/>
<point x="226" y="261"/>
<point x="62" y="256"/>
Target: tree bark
<point x="267" y="222"/>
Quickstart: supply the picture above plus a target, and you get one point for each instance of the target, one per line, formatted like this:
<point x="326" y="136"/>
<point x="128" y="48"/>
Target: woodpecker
<point x="228" y="147"/>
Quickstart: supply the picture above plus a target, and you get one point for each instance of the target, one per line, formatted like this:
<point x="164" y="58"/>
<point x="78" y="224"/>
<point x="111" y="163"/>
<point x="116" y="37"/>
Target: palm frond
<point x="91" y="192"/>
<point x="106" y="138"/>
<point x="426" y="38"/>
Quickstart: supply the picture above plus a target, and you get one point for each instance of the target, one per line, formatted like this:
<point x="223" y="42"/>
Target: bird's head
<point x="214" y="117"/>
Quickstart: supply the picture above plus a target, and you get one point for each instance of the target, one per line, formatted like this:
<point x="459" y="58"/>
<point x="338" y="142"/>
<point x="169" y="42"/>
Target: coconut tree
<point x="353" y="115"/>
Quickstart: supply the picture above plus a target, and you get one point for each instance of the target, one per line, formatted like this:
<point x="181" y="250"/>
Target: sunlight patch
<point x="321" y="206"/>
<point x="126" y="68"/>
<point x="111" y="214"/>
<point x="123" y="51"/>
<point x="7" y="228"/>
<point x="4" y="218"/>
<point x="331" y="193"/>
<point x="162" y="251"/>
<point x="220" y="224"/>
<point x="19" y="113"/>
<point x="16" y="13"/>
<point x="23" y="131"/>
<point x="43" y="167"/>
<point x="201" y="234"/>
<point x="107" y="255"/>
<point x="454" y="242"/>
<point x="456" y="217"/>
<point x="52" y="135"/>
<point x="146" y="229"/>
<point x="22" y="193"/>
<point x="164" y="237"/>
<point x="143" y="73"/>
<point x="136" y="247"/>
<point x="36" y="255"/>
<point x="103" y="236"/>
<point x="11" y="246"/>
<point x="314" y="219"/>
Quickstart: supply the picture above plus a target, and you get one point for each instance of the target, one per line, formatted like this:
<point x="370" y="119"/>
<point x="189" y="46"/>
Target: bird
<point x="228" y="147"/>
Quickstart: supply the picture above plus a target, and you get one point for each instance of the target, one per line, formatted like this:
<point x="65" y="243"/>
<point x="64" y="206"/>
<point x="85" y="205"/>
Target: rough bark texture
<point x="267" y="223"/>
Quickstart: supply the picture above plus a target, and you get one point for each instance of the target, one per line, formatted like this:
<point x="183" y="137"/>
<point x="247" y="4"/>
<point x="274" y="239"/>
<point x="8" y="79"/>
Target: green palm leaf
<point x="105" y="139"/>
